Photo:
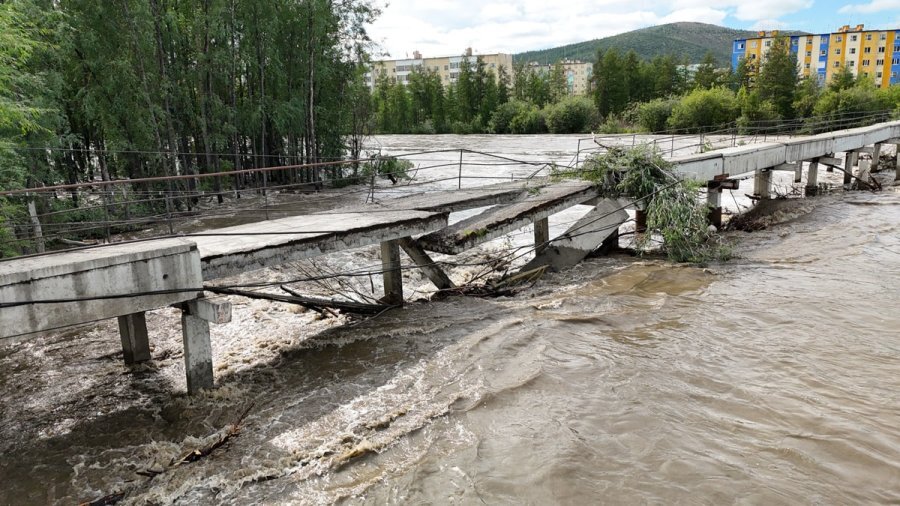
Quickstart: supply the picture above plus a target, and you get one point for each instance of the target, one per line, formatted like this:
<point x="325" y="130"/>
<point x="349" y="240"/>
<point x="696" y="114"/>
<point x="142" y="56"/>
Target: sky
<point x="447" y="27"/>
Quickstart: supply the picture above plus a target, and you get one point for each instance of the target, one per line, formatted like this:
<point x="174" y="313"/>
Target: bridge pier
<point x="876" y="155"/>
<point x="812" y="179"/>
<point x="135" y="342"/>
<point x="714" y="202"/>
<point x="391" y="273"/>
<point x="850" y="161"/>
<point x="762" y="184"/>
<point x="196" y="315"/>
<point x="541" y="235"/>
<point x="897" y="162"/>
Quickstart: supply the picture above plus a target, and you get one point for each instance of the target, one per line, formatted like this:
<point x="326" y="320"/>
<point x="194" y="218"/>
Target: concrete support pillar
<point x="714" y="201"/>
<point x="135" y="343"/>
<point x="897" y="151"/>
<point x="393" y="276"/>
<point x="196" y="316"/>
<point x="812" y="179"/>
<point x="876" y="156"/>
<point x="762" y="184"/>
<point x="850" y="161"/>
<point x="864" y="175"/>
<point x="197" y="353"/>
<point x="541" y="235"/>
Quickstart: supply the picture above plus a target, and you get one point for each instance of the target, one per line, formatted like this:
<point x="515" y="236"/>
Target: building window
<point x="866" y="63"/>
<point x="823" y="53"/>
<point x="839" y="38"/>
<point x="824" y="40"/>
<point x="446" y="67"/>
<point x="768" y="43"/>
<point x="794" y="42"/>
<point x="881" y="49"/>
<point x="852" y="50"/>
<point x="809" y="41"/>
<point x="807" y="65"/>
<point x="836" y="64"/>
<point x="868" y="36"/>
<point x="852" y="63"/>
<point x="853" y="38"/>
<point x="867" y="50"/>
<point x="740" y="45"/>
<point x="837" y="50"/>
<point x="893" y="75"/>
<point x="752" y="44"/>
<point x="878" y="75"/>
<point x="879" y="62"/>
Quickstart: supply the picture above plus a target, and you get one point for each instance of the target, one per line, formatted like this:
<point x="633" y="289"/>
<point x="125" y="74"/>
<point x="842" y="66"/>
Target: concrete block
<point x="701" y="167"/>
<point x="99" y="283"/>
<point x="753" y="157"/>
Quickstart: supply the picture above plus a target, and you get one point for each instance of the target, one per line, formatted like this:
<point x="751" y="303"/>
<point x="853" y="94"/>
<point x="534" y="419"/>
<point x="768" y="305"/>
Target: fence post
<point x="460" y="168"/>
<point x="265" y="181"/>
<point x="37" y="231"/>
<point x="169" y="211"/>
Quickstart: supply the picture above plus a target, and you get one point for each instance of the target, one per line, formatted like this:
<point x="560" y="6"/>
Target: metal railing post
<point x="460" y="168"/>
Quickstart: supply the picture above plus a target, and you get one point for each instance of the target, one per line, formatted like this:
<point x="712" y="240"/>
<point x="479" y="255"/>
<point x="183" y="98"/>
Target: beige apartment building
<point x="578" y="74"/>
<point x="445" y="66"/>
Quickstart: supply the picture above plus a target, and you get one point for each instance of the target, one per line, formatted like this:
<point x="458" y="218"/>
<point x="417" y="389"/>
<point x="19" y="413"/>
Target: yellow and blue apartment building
<point x="871" y="53"/>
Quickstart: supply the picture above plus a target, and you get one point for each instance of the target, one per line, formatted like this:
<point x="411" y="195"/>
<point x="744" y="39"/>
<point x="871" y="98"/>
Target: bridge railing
<point x="683" y="142"/>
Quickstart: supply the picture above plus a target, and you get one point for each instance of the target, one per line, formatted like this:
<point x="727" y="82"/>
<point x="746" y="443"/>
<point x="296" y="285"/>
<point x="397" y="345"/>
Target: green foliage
<point x="572" y="115"/>
<point x="704" y="110"/>
<point x="653" y="116"/>
<point x="706" y="76"/>
<point x="387" y="167"/>
<point x="529" y="121"/>
<point x="501" y="120"/>
<point x="777" y="81"/>
<point x="754" y="111"/>
<point x="672" y="205"/>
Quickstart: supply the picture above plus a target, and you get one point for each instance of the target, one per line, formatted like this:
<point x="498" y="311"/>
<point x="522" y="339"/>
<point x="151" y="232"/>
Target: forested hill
<point x="691" y="40"/>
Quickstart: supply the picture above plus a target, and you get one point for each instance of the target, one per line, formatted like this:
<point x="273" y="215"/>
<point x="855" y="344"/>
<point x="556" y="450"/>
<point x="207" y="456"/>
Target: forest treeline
<point x="628" y="94"/>
<point x="111" y="89"/>
<point x="135" y="88"/>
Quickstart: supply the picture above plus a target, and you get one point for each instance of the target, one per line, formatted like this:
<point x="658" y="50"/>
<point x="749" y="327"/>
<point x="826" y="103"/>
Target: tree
<point x="706" y="76"/>
<point x="778" y="77"/>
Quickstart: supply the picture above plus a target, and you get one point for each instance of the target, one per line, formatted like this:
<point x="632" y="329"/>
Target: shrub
<point x="704" y="110"/>
<point x="501" y="120"/>
<point x="529" y="121"/>
<point x="571" y="115"/>
<point x="652" y="116"/>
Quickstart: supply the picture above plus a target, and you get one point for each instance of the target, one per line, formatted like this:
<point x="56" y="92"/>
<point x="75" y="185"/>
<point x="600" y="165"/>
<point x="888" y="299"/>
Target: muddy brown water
<point x="770" y="379"/>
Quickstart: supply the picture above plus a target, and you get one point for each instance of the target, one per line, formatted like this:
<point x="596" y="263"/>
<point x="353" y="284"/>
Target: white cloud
<point x="768" y="24"/>
<point x="441" y="27"/>
<point x="871" y="7"/>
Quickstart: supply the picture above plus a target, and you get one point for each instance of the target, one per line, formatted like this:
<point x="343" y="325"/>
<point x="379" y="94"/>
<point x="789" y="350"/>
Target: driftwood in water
<point x="321" y="306"/>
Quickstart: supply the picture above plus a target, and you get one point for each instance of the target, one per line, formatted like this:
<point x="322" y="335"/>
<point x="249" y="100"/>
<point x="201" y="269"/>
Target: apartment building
<point x="872" y="53"/>
<point x="578" y="74"/>
<point x="446" y="66"/>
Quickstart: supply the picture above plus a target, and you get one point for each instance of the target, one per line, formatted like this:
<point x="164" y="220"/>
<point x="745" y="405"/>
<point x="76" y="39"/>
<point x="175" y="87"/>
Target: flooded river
<point x="771" y="379"/>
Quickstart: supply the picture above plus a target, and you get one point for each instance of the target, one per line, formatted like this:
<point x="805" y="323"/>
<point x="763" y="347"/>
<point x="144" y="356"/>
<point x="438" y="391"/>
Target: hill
<point x="691" y="40"/>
